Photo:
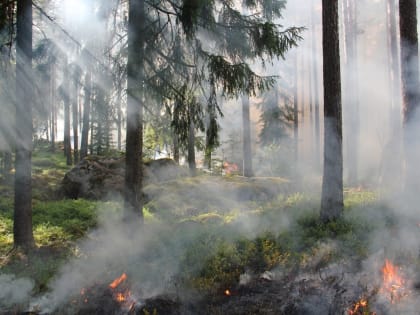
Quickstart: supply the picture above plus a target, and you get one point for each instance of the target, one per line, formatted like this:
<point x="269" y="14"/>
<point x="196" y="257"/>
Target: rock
<point x="97" y="177"/>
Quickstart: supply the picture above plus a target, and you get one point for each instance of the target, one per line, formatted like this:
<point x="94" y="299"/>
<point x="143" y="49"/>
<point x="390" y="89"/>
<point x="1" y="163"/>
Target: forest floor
<point x="210" y="245"/>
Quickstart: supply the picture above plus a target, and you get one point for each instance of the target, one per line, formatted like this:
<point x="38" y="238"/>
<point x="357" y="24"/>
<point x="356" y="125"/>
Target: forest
<point x="165" y="157"/>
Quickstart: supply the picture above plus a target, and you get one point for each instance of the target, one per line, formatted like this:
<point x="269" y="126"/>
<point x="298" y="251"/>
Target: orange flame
<point x="361" y="307"/>
<point x="118" y="281"/>
<point x="393" y="282"/>
<point x="230" y="167"/>
<point x="227" y="292"/>
<point x="120" y="297"/>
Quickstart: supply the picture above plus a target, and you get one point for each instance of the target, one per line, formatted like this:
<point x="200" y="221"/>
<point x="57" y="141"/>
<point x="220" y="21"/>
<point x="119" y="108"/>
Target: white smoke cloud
<point x="14" y="291"/>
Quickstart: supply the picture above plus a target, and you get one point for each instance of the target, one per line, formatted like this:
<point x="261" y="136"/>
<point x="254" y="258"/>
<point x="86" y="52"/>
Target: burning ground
<point x="222" y="245"/>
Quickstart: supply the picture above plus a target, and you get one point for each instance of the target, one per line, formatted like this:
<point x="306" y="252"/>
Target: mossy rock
<point x="97" y="177"/>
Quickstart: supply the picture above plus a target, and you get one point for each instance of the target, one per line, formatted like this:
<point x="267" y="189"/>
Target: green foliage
<point x="262" y="253"/>
<point x="102" y="116"/>
<point x="74" y="217"/>
<point x="55" y="223"/>
<point x="236" y="79"/>
<point x="222" y="260"/>
<point x="191" y="11"/>
<point x="359" y="198"/>
<point x="187" y="110"/>
<point x="276" y="117"/>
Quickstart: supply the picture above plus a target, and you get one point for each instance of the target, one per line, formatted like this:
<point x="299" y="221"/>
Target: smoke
<point x="14" y="291"/>
<point x="152" y="257"/>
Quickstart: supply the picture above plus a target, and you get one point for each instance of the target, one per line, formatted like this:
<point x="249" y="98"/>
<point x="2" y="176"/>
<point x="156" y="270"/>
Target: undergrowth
<point x="216" y="237"/>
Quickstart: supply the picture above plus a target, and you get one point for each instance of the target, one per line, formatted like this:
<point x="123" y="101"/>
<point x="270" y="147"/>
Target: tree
<point x="76" y="73"/>
<point x="235" y="36"/>
<point x="86" y="116"/>
<point x="191" y="139"/>
<point x="394" y="61"/>
<point x="276" y="120"/>
<point x="22" y="220"/>
<point x="135" y="94"/>
<point x="212" y="126"/>
<point x="332" y="182"/>
<point x="295" y="108"/>
<point x="315" y="88"/>
<point x="246" y="136"/>
<point x="351" y="90"/>
<point x="410" y="91"/>
<point x="7" y="32"/>
<point x="64" y="89"/>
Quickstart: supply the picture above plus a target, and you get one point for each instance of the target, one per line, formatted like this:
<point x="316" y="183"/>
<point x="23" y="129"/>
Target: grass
<point x="227" y="226"/>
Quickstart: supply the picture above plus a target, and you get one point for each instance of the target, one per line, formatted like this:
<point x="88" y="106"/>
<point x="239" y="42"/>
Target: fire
<point x="122" y="297"/>
<point x="122" y="294"/>
<point x="227" y="292"/>
<point x="230" y="168"/>
<point x="118" y="281"/>
<point x="393" y="283"/>
<point x="361" y="307"/>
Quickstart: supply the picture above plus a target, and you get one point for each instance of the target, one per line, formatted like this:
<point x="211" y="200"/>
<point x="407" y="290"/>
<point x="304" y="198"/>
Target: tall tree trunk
<point x="302" y="90"/>
<point x="212" y="129"/>
<point x="246" y="137"/>
<point x="119" y="116"/>
<point x="332" y="182"/>
<point x="86" y="117"/>
<point x="176" y="146"/>
<point x="52" y="106"/>
<point x="75" y="116"/>
<point x="316" y="90"/>
<point x="296" y="111"/>
<point x="351" y="90"/>
<point x="22" y="220"/>
<point x="134" y="133"/>
<point x="66" y="98"/>
<point x="207" y="154"/>
<point x="395" y="72"/>
<point x="191" y="143"/>
<point x="410" y="92"/>
<point x="93" y="115"/>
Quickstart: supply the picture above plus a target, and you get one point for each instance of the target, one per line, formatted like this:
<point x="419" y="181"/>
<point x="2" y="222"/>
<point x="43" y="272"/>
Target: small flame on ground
<point x="122" y="296"/>
<point x="393" y="283"/>
<point x="227" y="292"/>
<point x="360" y="307"/>
<point x="118" y="281"/>
<point x="230" y="167"/>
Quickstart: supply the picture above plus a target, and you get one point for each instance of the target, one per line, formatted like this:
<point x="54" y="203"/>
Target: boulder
<point x="97" y="177"/>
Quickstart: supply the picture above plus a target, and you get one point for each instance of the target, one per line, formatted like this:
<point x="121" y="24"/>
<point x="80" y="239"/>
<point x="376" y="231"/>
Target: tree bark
<point x="296" y="111"/>
<point x="176" y="146"/>
<point x="207" y="154"/>
<point x="86" y="117"/>
<point x="119" y="116"/>
<point x="246" y="138"/>
<point x="351" y="91"/>
<point x="75" y="116"/>
<point x="66" y="101"/>
<point x="134" y="132"/>
<point x="332" y="205"/>
<point x="22" y="221"/>
<point x="52" y="106"/>
<point x="395" y="72"/>
<point x="191" y="143"/>
<point x="410" y="92"/>
<point x="315" y="91"/>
